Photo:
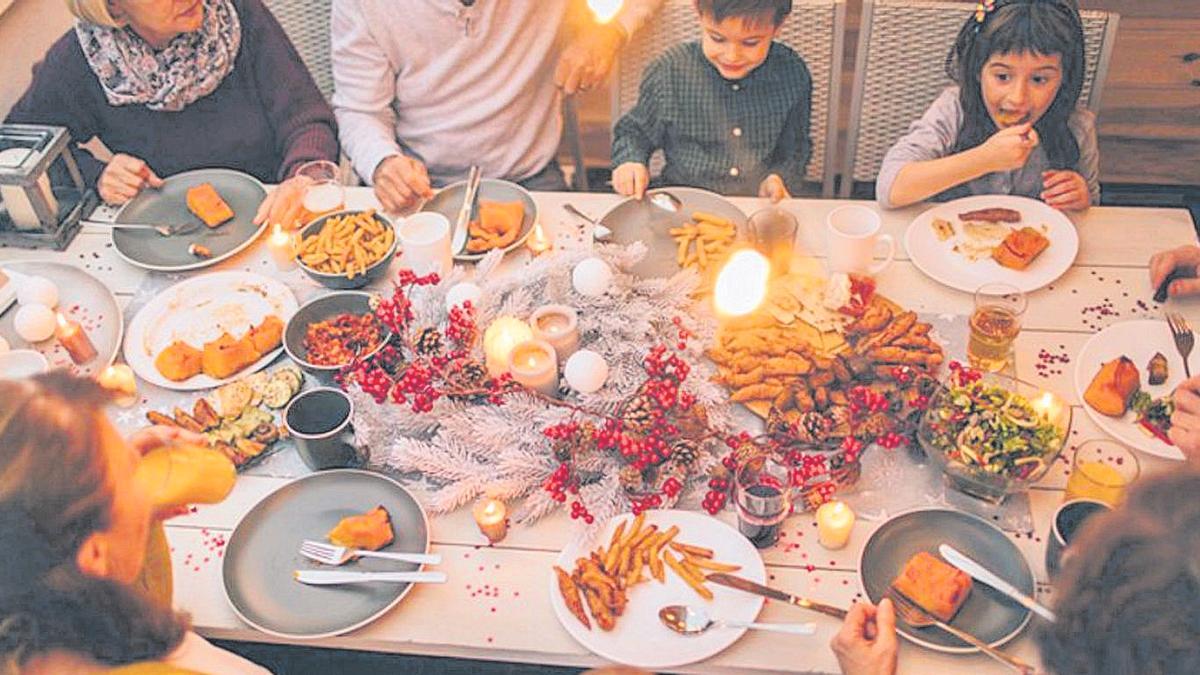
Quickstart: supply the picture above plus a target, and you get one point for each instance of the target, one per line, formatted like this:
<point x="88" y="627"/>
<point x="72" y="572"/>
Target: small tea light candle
<point x="491" y="515"/>
<point x="499" y="339"/>
<point x="835" y="520"/>
<point x="282" y="246"/>
<point x="1047" y="406"/>
<point x="558" y="325"/>
<point x="71" y="336"/>
<point x="538" y="242"/>
<point x="534" y="364"/>
<point x="118" y="378"/>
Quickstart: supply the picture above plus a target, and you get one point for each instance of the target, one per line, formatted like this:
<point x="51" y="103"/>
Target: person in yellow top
<point x="74" y="528"/>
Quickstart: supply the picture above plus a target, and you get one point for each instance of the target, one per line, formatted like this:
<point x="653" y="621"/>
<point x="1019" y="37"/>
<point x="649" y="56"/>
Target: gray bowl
<point x="339" y="281"/>
<point x="449" y="200"/>
<point x="322" y="309"/>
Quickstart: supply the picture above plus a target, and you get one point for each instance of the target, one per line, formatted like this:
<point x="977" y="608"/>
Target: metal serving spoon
<point x="695" y="620"/>
<point x="666" y="201"/>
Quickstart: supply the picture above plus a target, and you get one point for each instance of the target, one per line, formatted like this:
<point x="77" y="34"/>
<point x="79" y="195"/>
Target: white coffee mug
<point x="853" y="234"/>
<point x="425" y="242"/>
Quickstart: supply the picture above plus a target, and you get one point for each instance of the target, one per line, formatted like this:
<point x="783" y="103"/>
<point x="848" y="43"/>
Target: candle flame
<point x="278" y="237"/>
<point x="538" y="241"/>
<point x="604" y="10"/>
<point x="742" y="283"/>
<point x="490" y="509"/>
<point x="62" y="320"/>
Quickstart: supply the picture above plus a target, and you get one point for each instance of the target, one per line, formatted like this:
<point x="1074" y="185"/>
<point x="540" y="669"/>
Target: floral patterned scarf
<point x="191" y="67"/>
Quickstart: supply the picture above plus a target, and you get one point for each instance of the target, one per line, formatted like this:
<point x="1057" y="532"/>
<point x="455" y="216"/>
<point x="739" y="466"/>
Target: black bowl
<point x="341" y="281"/>
<point x="322" y="309"/>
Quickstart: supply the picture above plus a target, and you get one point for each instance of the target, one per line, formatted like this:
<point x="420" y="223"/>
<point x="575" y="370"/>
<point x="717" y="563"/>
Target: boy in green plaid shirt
<point x="730" y="112"/>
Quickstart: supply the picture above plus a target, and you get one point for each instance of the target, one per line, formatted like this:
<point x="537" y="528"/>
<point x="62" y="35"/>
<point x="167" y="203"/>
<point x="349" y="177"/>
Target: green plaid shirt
<point x="721" y="135"/>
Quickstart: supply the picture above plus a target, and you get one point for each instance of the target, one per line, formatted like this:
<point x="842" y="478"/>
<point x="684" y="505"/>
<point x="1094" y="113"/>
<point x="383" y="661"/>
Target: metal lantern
<point x="42" y="194"/>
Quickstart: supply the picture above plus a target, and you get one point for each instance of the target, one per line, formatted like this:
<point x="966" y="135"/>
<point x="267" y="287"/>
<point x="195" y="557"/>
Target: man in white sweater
<point x="426" y="88"/>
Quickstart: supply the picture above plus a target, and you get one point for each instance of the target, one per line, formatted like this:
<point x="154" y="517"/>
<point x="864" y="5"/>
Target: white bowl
<point x="20" y="363"/>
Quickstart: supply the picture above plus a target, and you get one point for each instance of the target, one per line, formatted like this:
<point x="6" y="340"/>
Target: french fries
<point x="347" y="244"/>
<point x="704" y="241"/>
<point x="635" y="554"/>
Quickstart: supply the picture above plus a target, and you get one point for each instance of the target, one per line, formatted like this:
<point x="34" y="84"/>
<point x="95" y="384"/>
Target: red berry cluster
<point x="461" y="329"/>
<point x="578" y="510"/>
<point x="559" y="482"/>
<point x="963" y="375"/>
<point x="718" y="493"/>
<point x="562" y="431"/>
<point x="672" y="487"/>
<point x="807" y="466"/>
<point x="823" y="492"/>
<point x="640" y="505"/>
<point x="416" y="382"/>
<point x="852" y="448"/>
<point x="903" y="374"/>
<point x="890" y="440"/>
<point x="863" y="399"/>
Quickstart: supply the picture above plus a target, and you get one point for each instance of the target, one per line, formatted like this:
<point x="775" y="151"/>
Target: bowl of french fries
<point x="607" y="594"/>
<point x="347" y="249"/>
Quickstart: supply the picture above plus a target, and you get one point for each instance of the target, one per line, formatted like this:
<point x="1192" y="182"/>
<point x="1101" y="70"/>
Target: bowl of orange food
<point x="504" y="215"/>
<point x="332" y="331"/>
<point x="347" y="249"/>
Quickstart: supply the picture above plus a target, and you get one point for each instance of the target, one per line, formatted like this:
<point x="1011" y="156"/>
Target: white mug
<point x="853" y="234"/>
<point x="425" y="242"/>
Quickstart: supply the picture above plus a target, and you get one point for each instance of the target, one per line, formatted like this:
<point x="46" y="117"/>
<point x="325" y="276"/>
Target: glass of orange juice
<point x="184" y="473"/>
<point x="1102" y="470"/>
<point x="325" y="192"/>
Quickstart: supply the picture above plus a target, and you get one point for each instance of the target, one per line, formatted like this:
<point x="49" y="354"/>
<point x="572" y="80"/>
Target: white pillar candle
<point x="499" y="339"/>
<point x="282" y="246"/>
<point x="558" y="325"/>
<point x="491" y="515"/>
<point x="835" y="521"/>
<point x="118" y="378"/>
<point x="533" y="364"/>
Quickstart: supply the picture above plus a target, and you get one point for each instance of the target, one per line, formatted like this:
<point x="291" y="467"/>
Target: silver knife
<point x="599" y="230"/>
<point x="332" y="577"/>
<point x="459" y="239"/>
<point x="768" y="592"/>
<point x="983" y="574"/>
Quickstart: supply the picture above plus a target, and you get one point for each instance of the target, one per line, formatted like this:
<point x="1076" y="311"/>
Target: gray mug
<point x="319" y="422"/>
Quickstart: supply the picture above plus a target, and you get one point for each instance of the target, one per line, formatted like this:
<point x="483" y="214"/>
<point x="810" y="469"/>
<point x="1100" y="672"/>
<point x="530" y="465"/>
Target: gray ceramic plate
<point x="82" y="297"/>
<point x="264" y="550"/>
<point x="987" y="614"/>
<point x="449" y="200"/>
<point x="168" y="206"/>
<point x="639" y="220"/>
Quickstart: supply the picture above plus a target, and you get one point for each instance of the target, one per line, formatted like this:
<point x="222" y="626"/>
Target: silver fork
<point x="1184" y="338"/>
<point x="916" y="617"/>
<point x="329" y="554"/>
<point x="164" y="230"/>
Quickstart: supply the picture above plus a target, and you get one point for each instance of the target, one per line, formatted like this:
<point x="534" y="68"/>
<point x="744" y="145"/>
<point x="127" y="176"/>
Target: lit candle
<point x="71" y="336"/>
<point x="558" y="325"/>
<point x="1047" y="406"/>
<point x="491" y="515"/>
<point x="282" y="247"/>
<point x="533" y="364"/>
<point x="741" y="284"/>
<point x="604" y="10"/>
<point x="538" y="242"/>
<point x="118" y="378"/>
<point x="499" y="339"/>
<point x="835" y="520"/>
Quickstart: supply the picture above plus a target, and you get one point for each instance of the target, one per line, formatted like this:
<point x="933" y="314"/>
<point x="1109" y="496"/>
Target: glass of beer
<point x="995" y="324"/>
<point x="1102" y="470"/>
<point x="183" y="473"/>
<point x="773" y="232"/>
<point x="325" y="192"/>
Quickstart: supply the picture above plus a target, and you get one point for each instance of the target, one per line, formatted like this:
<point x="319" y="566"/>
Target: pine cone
<point x="874" y="425"/>
<point x="429" y="341"/>
<point x="638" y="414"/>
<point x="813" y="427"/>
<point x="631" y="478"/>
<point x="685" y="451"/>
<point x="466" y="376"/>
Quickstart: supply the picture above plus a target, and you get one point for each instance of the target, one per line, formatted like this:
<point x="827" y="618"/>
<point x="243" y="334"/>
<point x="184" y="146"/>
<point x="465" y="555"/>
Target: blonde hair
<point x="93" y="11"/>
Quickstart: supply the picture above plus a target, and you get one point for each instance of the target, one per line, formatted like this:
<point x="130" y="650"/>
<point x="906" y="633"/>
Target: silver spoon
<point x="666" y="201"/>
<point x="695" y="620"/>
<point x="599" y="230"/>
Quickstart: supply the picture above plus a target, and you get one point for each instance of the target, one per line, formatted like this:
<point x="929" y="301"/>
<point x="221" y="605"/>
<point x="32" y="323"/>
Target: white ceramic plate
<point x="1139" y="340"/>
<point x="639" y="638"/>
<point x="199" y="310"/>
<point x="938" y="260"/>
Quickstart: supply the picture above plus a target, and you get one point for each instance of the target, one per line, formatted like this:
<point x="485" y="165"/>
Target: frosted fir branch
<point x="453" y="496"/>
<point x="536" y="506"/>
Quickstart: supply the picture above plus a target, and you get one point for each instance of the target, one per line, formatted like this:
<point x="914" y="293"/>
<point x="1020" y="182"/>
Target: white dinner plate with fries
<point x="638" y="638"/>
<point x="960" y="261"/>
<point x="199" y="310"/>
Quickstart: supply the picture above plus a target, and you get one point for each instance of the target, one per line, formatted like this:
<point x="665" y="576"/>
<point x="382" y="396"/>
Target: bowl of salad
<point x="993" y="435"/>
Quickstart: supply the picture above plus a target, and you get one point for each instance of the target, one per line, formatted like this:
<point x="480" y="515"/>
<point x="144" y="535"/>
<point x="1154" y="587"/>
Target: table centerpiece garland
<point x="426" y="407"/>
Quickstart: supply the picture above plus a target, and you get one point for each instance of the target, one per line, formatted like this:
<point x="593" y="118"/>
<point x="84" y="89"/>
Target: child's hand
<point x="774" y="189"/>
<point x="631" y="179"/>
<point x="1008" y="148"/>
<point x="1065" y="190"/>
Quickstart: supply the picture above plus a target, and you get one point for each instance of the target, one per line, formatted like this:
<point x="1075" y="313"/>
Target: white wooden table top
<point x="497" y="606"/>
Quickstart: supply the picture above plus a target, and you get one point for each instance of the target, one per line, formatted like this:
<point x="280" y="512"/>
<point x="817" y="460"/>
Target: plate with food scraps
<point x="1113" y="380"/>
<point x="209" y="330"/>
<point x="971" y="241"/>
<point x="699" y="235"/>
<point x="82" y="298"/>
<point x="504" y="216"/>
<point x="173" y="203"/>
<point x="635" y="635"/>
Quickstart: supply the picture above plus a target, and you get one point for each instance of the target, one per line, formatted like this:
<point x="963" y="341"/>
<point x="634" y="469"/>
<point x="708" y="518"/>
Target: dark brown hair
<point x="1044" y="27"/>
<point x="1128" y="601"/>
<point x="55" y="491"/>
<point x="751" y="11"/>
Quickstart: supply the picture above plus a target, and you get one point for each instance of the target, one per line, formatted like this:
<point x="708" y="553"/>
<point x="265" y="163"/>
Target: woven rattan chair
<point x="900" y="70"/>
<point x="814" y="29"/>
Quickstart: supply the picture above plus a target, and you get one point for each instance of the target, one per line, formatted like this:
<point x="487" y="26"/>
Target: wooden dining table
<point x="496" y="605"/>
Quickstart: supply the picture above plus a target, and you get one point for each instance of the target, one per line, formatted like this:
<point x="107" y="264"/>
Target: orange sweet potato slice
<point x="204" y="201"/>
